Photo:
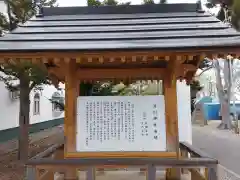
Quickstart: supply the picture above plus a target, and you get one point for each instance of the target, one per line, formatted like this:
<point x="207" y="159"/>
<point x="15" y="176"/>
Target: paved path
<point x="220" y="144"/>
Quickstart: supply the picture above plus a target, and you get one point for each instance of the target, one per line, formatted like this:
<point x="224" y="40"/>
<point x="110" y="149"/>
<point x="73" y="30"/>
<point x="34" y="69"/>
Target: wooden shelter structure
<point x="136" y="42"/>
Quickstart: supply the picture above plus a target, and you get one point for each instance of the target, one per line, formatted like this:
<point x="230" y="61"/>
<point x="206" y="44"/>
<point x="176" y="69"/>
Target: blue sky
<point x="83" y="2"/>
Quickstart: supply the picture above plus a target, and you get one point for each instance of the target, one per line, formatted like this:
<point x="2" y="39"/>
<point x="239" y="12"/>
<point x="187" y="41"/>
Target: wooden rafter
<point x="189" y="61"/>
<point x="110" y="57"/>
<point x="108" y="54"/>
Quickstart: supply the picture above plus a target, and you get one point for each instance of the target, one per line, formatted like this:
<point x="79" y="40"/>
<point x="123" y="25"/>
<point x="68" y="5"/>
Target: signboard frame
<point x="74" y="153"/>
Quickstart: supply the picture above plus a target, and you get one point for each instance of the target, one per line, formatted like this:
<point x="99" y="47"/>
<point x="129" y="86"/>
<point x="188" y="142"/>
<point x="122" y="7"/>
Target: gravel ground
<point x="10" y="168"/>
<point x="211" y="140"/>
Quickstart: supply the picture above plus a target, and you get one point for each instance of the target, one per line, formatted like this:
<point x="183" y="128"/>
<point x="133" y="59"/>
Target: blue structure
<point x="206" y="99"/>
<point x="211" y="110"/>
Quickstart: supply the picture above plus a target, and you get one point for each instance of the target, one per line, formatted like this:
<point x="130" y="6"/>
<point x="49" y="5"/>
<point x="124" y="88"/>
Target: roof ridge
<point x="121" y="9"/>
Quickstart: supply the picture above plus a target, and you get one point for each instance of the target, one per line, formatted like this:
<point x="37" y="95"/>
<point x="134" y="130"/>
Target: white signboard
<point x="121" y="123"/>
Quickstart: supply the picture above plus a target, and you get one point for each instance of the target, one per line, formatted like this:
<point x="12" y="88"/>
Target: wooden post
<point x="31" y="173"/>
<point x="212" y="173"/>
<point x="206" y="173"/>
<point x="151" y="172"/>
<point x="70" y="112"/>
<point x="143" y="170"/>
<point x="184" y="154"/>
<point x="171" y="111"/>
<point x="91" y="173"/>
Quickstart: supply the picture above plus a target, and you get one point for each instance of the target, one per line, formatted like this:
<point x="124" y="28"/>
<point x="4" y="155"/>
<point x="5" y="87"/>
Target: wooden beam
<point x="97" y="74"/>
<point x="122" y="154"/>
<point x="188" y="67"/>
<point x="137" y="73"/>
<point x="89" y="74"/>
<point x="116" y="161"/>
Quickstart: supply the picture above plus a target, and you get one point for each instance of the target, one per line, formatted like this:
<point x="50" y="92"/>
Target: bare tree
<point x="223" y="86"/>
<point x="229" y="13"/>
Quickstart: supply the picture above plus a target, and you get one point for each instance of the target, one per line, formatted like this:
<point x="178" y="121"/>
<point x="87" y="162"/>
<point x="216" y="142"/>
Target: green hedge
<point x="12" y="133"/>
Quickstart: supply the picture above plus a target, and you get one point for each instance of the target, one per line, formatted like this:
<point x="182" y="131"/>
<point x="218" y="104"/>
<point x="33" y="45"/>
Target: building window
<point x="14" y="95"/>
<point x="36" y="104"/>
<point x="57" y="101"/>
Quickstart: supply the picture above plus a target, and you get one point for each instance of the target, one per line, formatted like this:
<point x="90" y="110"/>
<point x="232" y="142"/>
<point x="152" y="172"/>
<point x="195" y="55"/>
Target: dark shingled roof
<point x="162" y="26"/>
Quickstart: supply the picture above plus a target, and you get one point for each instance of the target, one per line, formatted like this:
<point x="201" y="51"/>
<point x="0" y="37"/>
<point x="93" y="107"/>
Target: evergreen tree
<point x="105" y="3"/>
<point x="229" y="11"/>
<point x="94" y="3"/>
<point x="110" y="3"/>
<point x="148" y="2"/>
<point x="163" y="2"/>
<point x="28" y="75"/>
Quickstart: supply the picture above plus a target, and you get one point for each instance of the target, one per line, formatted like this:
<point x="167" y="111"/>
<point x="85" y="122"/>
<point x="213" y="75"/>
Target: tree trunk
<point x="223" y="96"/>
<point x="24" y="120"/>
<point x="227" y="92"/>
